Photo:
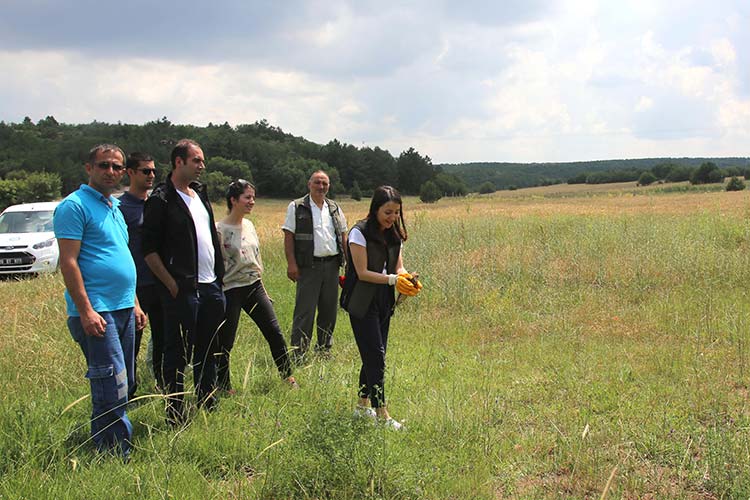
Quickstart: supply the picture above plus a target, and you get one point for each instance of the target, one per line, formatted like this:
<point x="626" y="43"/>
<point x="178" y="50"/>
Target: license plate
<point x="9" y="261"/>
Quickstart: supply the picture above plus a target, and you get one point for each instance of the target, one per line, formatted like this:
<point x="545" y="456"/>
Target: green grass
<point x="546" y="351"/>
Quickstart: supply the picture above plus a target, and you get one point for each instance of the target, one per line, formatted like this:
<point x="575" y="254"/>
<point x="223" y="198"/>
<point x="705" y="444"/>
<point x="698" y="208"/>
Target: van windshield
<point x="26" y="222"/>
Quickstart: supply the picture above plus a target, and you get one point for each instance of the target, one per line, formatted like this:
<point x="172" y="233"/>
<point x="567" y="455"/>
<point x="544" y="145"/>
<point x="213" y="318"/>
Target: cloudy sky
<point x="511" y="80"/>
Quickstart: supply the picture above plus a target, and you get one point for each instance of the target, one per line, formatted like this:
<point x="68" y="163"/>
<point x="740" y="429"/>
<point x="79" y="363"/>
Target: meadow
<point x="568" y="343"/>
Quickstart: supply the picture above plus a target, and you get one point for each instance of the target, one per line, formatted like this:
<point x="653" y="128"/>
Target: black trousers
<point x="254" y="300"/>
<point x="190" y="324"/>
<point x="371" y="335"/>
<point x="150" y="302"/>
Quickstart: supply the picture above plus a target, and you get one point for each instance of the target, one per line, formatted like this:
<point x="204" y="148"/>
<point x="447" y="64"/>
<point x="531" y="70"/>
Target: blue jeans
<point x="190" y="324"/>
<point x="110" y="373"/>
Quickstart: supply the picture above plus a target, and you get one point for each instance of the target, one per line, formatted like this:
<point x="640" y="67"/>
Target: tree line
<point x="278" y="163"/>
<point x="487" y="177"/>
<point x="707" y="172"/>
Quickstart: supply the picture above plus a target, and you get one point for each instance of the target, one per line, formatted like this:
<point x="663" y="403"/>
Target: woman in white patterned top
<point x="243" y="287"/>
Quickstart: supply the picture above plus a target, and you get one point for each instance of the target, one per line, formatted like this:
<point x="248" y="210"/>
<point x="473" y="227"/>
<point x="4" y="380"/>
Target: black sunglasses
<point x="147" y="171"/>
<point x="104" y="165"/>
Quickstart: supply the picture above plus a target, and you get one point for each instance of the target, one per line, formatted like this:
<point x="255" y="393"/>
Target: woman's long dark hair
<point x="235" y="190"/>
<point x="380" y="197"/>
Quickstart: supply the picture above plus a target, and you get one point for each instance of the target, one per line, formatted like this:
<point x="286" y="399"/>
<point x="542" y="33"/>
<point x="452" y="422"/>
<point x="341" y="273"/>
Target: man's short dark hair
<point x="103" y="148"/>
<point x="134" y="159"/>
<point x="181" y="149"/>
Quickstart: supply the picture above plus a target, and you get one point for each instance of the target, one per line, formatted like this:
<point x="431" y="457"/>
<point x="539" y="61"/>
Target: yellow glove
<point x="405" y="286"/>
<point x="414" y="278"/>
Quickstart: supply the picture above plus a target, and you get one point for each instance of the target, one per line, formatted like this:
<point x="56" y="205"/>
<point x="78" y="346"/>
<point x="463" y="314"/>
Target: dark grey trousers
<point x="317" y="288"/>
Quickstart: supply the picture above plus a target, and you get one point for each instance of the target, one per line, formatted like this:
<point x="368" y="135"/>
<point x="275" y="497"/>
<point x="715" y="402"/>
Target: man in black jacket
<point x="181" y="247"/>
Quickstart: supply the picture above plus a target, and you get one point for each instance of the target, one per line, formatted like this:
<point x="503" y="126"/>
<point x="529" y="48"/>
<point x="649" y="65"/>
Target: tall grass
<point x="560" y="348"/>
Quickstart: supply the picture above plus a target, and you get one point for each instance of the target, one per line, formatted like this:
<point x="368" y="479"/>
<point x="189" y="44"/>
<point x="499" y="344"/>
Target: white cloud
<point x="723" y="52"/>
<point x="521" y="81"/>
<point x="644" y="104"/>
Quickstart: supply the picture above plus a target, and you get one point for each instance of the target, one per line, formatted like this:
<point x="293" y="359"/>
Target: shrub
<point x="430" y="192"/>
<point x="487" y="188"/>
<point x="16" y="175"/>
<point x="450" y="184"/>
<point x="42" y="186"/>
<point x="646" y="178"/>
<point x="735" y="184"/>
<point x="679" y="174"/>
<point x="216" y="185"/>
<point x="707" y="173"/>
<point x="355" y="192"/>
<point x="37" y="186"/>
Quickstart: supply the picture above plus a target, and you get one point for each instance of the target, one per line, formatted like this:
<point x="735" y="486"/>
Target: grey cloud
<point x="189" y="29"/>
<point x="373" y="46"/>
<point x="380" y="39"/>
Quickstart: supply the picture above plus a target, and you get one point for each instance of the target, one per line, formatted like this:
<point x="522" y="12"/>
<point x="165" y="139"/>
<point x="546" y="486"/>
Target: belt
<point x="325" y="259"/>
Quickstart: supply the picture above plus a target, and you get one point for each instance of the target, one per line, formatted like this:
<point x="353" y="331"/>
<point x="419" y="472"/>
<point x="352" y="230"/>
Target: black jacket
<point x="168" y="230"/>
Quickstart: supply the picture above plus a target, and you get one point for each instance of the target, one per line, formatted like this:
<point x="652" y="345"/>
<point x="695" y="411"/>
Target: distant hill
<point x="506" y="175"/>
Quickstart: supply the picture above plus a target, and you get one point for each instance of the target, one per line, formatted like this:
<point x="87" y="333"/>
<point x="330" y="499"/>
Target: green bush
<point x="707" y="173"/>
<point x="216" y="184"/>
<point x="678" y="174"/>
<point x="355" y="192"/>
<point x="646" y="178"/>
<point x="735" y="184"/>
<point x="430" y="192"/>
<point x="37" y="186"/>
<point x="42" y="186"/>
<point x="487" y="188"/>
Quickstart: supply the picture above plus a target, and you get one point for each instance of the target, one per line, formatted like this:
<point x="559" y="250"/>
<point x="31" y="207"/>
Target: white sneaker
<point x="393" y="424"/>
<point x="364" y="412"/>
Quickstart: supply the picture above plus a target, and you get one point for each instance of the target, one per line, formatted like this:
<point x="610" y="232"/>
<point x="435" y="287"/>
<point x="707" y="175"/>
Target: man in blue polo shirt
<point x="100" y="283"/>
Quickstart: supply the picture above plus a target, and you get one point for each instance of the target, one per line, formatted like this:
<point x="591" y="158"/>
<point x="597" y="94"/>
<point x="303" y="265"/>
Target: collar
<point x="135" y="199"/>
<point x="107" y="200"/>
<point x="310" y="202"/>
<point x="196" y="186"/>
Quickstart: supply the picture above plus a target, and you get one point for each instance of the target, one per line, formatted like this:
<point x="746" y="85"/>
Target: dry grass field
<point x="570" y="342"/>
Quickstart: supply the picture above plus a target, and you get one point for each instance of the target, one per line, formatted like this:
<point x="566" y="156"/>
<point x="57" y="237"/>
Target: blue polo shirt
<point x="106" y="264"/>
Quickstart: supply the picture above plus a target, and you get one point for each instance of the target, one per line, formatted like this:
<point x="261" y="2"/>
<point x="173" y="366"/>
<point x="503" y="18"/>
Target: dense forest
<point x="44" y="160"/>
<point x="278" y="163"/>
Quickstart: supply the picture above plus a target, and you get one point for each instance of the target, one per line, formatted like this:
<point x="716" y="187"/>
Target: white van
<point x="27" y="239"/>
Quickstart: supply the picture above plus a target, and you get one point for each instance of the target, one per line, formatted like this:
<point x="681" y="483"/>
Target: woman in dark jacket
<point x="374" y="268"/>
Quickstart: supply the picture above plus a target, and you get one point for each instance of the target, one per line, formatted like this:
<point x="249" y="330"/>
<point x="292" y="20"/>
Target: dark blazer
<point x="168" y="230"/>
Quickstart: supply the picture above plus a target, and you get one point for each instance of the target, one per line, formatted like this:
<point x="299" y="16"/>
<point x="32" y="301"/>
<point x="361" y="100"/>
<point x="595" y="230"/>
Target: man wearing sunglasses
<point x="181" y="247"/>
<point x="100" y="279"/>
<point x="141" y="173"/>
